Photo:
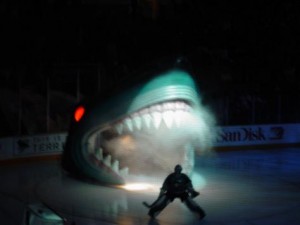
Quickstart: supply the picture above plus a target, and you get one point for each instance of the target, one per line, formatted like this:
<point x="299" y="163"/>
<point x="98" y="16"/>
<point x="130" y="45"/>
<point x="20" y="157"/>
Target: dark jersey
<point x="177" y="183"/>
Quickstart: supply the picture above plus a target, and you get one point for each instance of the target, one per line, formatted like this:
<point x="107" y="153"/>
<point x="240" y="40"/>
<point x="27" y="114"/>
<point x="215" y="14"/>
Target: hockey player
<point x="176" y="185"/>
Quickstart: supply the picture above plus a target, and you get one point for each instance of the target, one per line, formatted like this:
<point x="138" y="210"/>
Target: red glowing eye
<point x="79" y="113"/>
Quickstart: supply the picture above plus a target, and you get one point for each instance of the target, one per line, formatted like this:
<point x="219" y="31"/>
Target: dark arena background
<point x="244" y="60"/>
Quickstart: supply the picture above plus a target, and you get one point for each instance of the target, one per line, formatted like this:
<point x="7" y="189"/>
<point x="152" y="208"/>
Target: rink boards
<point x="50" y="146"/>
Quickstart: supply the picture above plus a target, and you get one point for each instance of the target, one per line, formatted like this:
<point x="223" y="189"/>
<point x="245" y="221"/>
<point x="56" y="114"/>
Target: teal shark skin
<point x="172" y="85"/>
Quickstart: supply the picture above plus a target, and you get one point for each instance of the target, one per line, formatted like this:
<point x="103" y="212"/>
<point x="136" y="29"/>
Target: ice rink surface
<point x="246" y="187"/>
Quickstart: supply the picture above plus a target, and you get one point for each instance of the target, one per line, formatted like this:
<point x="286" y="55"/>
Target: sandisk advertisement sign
<point x="258" y="135"/>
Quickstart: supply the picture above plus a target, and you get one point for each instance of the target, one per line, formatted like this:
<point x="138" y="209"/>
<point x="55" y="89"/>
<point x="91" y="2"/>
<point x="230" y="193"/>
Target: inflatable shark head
<point x="144" y="131"/>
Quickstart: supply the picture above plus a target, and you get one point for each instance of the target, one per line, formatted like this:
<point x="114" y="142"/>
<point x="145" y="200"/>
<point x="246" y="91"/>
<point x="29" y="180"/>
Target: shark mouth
<point x="149" y="141"/>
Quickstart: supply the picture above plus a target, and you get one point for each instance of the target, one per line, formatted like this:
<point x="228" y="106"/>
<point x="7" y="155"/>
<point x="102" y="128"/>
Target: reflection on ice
<point x="140" y="187"/>
<point x="198" y="181"/>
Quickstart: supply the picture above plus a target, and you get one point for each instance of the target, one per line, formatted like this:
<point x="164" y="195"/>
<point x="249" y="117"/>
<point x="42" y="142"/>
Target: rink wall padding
<point x="258" y="136"/>
<point x="50" y="146"/>
<point x="37" y="147"/>
<point x="31" y="159"/>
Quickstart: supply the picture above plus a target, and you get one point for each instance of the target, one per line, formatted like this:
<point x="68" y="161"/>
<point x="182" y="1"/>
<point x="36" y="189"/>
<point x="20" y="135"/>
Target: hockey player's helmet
<point x="178" y="169"/>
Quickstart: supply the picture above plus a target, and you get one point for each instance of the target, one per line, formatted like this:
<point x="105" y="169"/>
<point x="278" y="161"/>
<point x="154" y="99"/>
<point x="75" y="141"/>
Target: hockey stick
<point x="147" y="204"/>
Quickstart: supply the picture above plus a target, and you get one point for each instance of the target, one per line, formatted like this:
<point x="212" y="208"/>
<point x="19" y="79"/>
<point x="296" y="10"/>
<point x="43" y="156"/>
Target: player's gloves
<point x="194" y="194"/>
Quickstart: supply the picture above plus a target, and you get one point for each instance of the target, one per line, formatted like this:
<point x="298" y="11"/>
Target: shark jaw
<point x="148" y="142"/>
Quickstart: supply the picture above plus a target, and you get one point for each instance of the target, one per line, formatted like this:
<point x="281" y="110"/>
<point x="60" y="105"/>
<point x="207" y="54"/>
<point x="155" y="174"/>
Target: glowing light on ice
<point x="139" y="187"/>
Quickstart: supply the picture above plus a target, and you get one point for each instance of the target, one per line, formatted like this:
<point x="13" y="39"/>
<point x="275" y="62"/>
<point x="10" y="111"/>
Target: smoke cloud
<point x="155" y="152"/>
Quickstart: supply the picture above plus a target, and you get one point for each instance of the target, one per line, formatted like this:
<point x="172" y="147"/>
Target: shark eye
<point x="79" y="112"/>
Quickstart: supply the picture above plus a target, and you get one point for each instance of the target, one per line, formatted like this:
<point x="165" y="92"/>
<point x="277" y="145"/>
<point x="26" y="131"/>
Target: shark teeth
<point x="99" y="153"/>
<point x="128" y="124"/>
<point x="115" y="166"/>
<point x="147" y="121"/>
<point x="108" y="161"/>
<point x="157" y="118"/>
<point x="137" y="121"/>
<point x="124" y="172"/>
<point x="168" y="118"/>
<point x="152" y="117"/>
<point x="119" y="128"/>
